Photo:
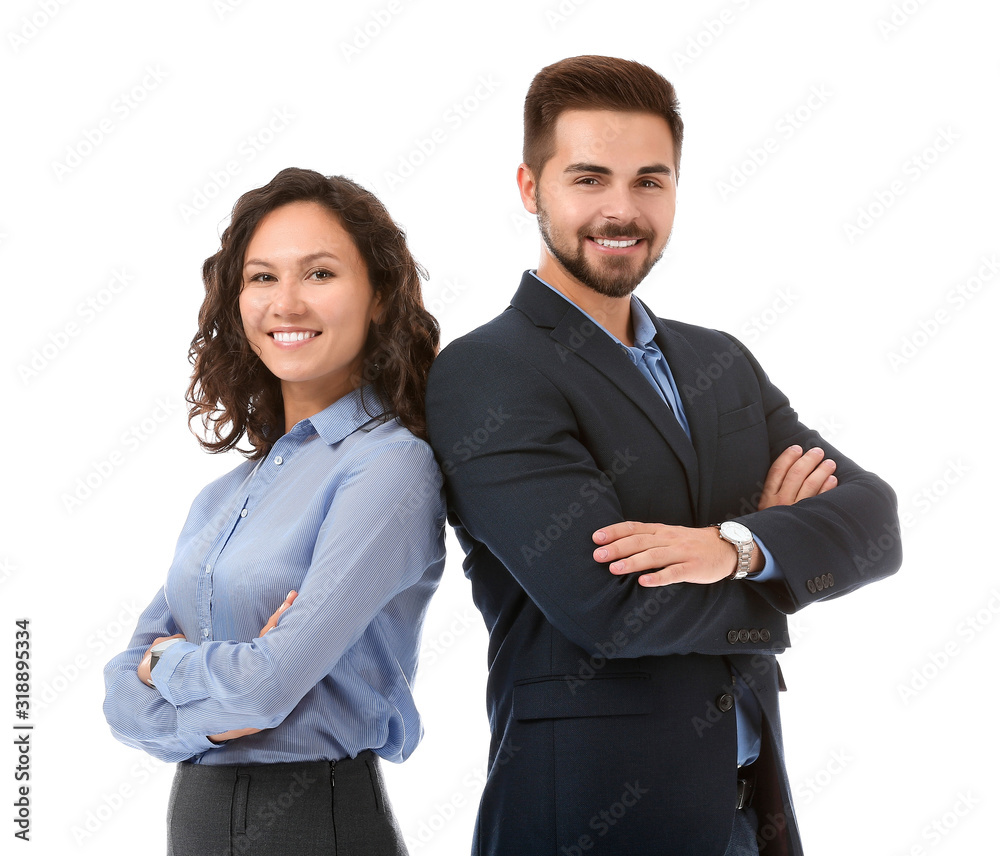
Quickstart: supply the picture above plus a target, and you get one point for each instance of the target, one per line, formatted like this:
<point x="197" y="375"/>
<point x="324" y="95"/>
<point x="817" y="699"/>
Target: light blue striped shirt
<point x="347" y="510"/>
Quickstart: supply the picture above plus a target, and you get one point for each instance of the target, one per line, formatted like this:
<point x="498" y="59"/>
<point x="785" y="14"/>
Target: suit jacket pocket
<point x="737" y="420"/>
<point x="622" y="694"/>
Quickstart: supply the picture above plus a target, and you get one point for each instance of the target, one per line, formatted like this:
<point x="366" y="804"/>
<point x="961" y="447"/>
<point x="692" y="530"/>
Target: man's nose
<point x="618" y="203"/>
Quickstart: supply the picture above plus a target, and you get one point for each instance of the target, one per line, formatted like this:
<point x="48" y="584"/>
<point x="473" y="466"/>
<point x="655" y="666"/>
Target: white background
<point x="843" y="320"/>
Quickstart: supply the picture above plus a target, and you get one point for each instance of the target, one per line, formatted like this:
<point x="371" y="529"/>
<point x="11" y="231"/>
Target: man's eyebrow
<point x="588" y="167"/>
<point x="655" y="168"/>
<point x="652" y="169"/>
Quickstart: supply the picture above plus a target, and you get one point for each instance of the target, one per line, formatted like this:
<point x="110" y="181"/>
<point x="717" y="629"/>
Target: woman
<point x="313" y="343"/>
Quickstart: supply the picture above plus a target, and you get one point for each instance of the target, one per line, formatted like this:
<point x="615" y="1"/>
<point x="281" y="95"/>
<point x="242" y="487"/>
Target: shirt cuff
<point x="165" y="666"/>
<point x="771" y="571"/>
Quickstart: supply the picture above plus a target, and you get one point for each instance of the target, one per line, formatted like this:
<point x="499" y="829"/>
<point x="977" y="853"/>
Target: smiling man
<point x="635" y="536"/>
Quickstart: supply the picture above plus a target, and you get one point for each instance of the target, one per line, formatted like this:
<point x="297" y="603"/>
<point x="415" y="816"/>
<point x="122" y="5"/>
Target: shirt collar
<point x="345" y="415"/>
<point x="642" y="326"/>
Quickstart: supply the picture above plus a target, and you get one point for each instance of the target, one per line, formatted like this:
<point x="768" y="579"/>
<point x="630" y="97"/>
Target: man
<point x="588" y="448"/>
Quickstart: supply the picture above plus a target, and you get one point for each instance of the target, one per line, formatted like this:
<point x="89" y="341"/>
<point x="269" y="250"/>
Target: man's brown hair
<point x="594" y="83"/>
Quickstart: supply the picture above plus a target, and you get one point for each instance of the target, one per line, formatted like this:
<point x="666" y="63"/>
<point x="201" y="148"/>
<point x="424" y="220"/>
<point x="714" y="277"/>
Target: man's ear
<point x="527" y="185"/>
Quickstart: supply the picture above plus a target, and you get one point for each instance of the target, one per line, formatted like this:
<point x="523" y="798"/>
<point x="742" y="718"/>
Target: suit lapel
<point x="574" y="333"/>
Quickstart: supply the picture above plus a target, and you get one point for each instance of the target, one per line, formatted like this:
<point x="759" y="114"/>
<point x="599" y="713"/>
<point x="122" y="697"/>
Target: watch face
<point x="735" y="531"/>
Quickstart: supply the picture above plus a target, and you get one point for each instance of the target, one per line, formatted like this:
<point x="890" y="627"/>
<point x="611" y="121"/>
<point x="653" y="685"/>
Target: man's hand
<point x="144" y="671"/>
<point x="677" y="554"/>
<point x="269" y="625"/>
<point x="681" y="554"/>
<point x="794" y="476"/>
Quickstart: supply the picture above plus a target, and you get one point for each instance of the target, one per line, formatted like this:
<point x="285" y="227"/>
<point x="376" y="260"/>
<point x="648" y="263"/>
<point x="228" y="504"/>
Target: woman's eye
<point x="261" y="277"/>
<point x="322" y="274"/>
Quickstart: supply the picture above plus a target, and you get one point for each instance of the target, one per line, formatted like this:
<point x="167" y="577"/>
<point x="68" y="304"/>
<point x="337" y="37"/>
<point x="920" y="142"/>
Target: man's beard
<point x="617" y="276"/>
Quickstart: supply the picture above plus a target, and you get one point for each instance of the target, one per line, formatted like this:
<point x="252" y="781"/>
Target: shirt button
<point x="279" y="460"/>
<point x="243" y="513"/>
<point x="204" y="632"/>
<point x="208" y="568"/>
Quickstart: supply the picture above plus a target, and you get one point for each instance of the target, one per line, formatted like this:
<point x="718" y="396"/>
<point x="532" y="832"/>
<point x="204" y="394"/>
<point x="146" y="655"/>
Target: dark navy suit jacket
<point x="611" y="705"/>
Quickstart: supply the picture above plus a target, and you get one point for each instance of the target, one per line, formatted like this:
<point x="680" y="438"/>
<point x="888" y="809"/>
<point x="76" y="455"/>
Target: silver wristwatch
<point x="156" y="652"/>
<point x="740" y="537"/>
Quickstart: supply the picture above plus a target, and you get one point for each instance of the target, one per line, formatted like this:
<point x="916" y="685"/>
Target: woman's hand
<point x="232" y="735"/>
<point x="273" y="620"/>
<point x="270" y="625"/>
<point x="144" y="671"/>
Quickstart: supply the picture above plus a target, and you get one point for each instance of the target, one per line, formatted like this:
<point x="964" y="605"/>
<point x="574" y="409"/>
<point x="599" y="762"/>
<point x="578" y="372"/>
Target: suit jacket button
<point x="765" y="635"/>
<point x="733" y="637"/>
<point x="755" y="636"/>
<point x="811" y="586"/>
<point x="744" y="635"/>
<point x="725" y="702"/>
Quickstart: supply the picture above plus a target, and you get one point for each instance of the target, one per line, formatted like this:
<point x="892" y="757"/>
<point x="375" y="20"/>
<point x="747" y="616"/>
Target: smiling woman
<point x="307" y="305"/>
<point x="232" y="388"/>
<point x="313" y="343"/>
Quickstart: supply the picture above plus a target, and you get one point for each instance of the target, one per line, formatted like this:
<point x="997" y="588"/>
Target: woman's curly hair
<point x="233" y="392"/>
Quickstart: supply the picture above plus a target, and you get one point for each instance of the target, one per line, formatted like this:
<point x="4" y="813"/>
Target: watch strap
<point x="154" y="656"/>
<point x="744" y="555"/>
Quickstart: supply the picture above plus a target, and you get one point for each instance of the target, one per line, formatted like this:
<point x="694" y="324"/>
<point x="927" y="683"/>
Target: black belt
<point x="746" y="779"/>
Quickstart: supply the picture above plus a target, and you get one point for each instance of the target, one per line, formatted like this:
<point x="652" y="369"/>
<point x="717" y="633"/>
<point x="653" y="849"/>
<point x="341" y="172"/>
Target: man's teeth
<point x="607" y="242"/>
<point x="292" y="337"/>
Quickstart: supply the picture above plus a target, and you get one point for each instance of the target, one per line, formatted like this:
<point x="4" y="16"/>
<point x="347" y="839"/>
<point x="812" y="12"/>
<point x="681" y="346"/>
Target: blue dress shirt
<point x="649" y="360"/>
<point x="347" y="509"/>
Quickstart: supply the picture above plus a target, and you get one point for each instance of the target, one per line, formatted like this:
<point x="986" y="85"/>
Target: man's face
<point x="605" y="199"/>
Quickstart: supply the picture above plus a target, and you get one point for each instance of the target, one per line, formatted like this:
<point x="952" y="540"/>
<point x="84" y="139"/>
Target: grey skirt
<point x="314" y="807"/>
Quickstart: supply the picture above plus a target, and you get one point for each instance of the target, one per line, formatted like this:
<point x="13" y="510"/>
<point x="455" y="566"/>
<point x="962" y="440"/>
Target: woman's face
<point x="306" y="303"/>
